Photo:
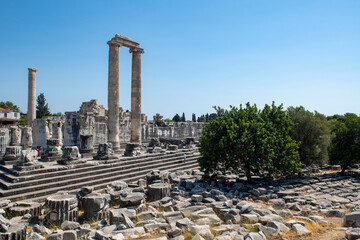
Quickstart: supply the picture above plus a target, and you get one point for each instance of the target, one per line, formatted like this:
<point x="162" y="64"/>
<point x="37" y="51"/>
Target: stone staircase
<point x="37" y="184"/>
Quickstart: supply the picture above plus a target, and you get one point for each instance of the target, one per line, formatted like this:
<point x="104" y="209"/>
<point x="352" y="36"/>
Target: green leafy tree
<point x="207" y="117"/>
<point x="183" y="119"/>
<point x="176" y="118"/>
<point x="42" y="108"/>
<point x="168" y="120"/>
<point x="10" y="105"/>
<point x="59" y="114"/>
<point x="312" y="132"/>
<point x="250" y="139"/>
<point x="212" y="116"/>
<point x="336" y="117"/>
<point x="345" y="146"/>
<point x="23" y="120"/>
<point x="201" y="118"/>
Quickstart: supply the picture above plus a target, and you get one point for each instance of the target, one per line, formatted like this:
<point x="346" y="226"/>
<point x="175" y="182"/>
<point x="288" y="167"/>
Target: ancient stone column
<point x="26" y="137"/>
<point x="31" y="113"/>
<point x="57" y="131"/>
<point x="113" y="95"/>
<point x="136" y="95"/>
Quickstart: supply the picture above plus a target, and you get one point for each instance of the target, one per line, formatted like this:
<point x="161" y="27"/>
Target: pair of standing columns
<point x="113" y="95"/>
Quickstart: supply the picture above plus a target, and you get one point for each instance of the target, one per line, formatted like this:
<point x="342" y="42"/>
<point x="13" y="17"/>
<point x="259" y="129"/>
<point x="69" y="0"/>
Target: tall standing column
<point x="136" y="95"/>
<point x="31" y="113"/>
<point x="113" y="96"/>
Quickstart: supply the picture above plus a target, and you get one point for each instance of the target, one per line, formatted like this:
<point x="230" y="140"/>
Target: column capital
<point x="112" y="42"/>
<point x="136" y="50"/>
<point x="32" y="69"/>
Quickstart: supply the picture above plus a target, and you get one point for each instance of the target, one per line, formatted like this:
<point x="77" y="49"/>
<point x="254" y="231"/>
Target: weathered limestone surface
<point x="206" y="210"/>
<point x="104" y="152"/>
<point x="26" y="137"/>
<point x="15" y="232"/>
<point x="158" y="191"/>
<point x="113" y="95"/>
<point x="53" y="150"/>
<point x="132" y="149"/>
<point x="4" y="140"/>
<point x="136" y="95"/>
<point x="61" y="207"/>
<point x="22" y="208"/>
<point x="71" y="155"/>
<point x="15" y="136"/>
<point x="71" y="129"/>
<point x="56" y="131"/>
<point x="95" y="206"/>
<point x="40" y="132"/>
<point x="28" y="161"/>
<point x="31" y="113"/>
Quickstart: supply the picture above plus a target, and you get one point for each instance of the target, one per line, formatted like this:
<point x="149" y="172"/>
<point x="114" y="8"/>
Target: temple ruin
<point x="93" y="127"/>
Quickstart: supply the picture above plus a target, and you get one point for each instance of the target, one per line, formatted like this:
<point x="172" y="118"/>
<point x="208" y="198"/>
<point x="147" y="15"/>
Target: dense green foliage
<point x="312" y="132"/>
<point x="23" y="120"/>
<point x="251" y="139"/>
<point x="177" y="118"/>
<point x="183" y="119"/>
<point x="10" y="105"/>
<point x="42" y="108"/>
<point x="207" y="117"/>
<point x="345" y="146"/>
<point x="193" y="117"/>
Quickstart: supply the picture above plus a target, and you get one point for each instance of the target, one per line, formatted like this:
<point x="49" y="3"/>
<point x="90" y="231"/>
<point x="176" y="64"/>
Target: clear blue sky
<point x="198" y="54"/>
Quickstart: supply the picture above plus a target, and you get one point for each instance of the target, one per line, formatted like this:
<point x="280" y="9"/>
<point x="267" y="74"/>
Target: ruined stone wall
<point x="40" y="132"/>
<point x="72" y="126"/>
<point x="125" y="130"/>
<point x="4" y="140"/>
<point x="171" y="130"/>
<point x="71" y="129"/>
<point x="100" y="130"/>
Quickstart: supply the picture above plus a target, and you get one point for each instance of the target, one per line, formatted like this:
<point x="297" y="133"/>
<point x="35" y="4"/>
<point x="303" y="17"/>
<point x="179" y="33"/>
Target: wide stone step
<point x="90" y="176"/>
<point x="15" y="176"/>
<point x="92" y="165"/>
<point x="120" y="167"/>
<point x="102" y="182"/>
<point x="68" y="180"/>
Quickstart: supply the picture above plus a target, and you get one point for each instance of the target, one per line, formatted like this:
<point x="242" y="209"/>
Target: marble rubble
<point x="187" y="203"/>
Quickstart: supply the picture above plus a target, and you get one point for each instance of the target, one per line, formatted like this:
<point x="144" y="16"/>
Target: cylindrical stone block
<point x="94" y="206"/>
<point x="113" y="96"/>
<point x="136" y="95"/>
<point x="31" y="114"/>
<point x="62" y="208"/>
<point x="158" y="191"/>
<point x="26" y="137"/>
<point x="15" y="136"/>
<point x="57" y="132"/>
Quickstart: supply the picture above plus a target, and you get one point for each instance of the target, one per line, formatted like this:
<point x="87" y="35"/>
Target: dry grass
<point x="326" y="172"/>
<point x="261" y="203"/>
<point x="81" y="213"/>
<point x="153" y="234"/>
<point x="250" y="227"/>
<point x="187" y="235"/>
<point x="318" y="231"/>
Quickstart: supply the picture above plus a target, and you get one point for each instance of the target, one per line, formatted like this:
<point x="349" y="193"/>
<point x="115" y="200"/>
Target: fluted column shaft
<point x="113" y="96"/>
<point x="136" y="95"/>
<point x="31" y="112"/>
